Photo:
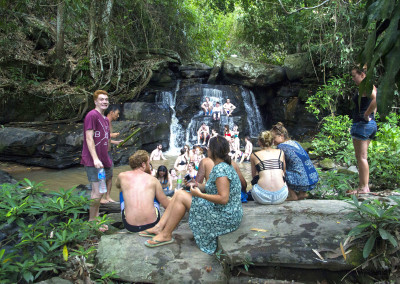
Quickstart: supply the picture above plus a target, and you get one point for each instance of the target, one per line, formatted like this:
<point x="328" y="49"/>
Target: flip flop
<point x="146" y="234"/>
<point x="158" y="243"/>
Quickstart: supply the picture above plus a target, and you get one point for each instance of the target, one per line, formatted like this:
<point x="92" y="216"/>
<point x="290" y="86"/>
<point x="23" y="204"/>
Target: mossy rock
<point x="327" y="164"/>
<point x="306" y="145"/>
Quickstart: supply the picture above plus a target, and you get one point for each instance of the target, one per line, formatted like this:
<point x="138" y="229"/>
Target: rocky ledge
<point x="294" y="236"/>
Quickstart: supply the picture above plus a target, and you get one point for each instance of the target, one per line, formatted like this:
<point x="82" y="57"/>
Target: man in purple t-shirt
<point x="96" y="138"/>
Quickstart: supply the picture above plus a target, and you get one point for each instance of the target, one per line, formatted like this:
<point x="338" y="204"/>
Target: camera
<point x="188" y="178"/>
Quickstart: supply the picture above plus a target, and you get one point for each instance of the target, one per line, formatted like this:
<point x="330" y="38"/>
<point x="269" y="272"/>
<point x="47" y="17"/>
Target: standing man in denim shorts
<point x="363" y="129"/>
<point x="96" y="140"/>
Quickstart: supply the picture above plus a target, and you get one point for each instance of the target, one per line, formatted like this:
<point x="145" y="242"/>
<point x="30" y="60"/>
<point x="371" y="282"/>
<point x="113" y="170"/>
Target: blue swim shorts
<point x="263" y="196"/>
<point x="363" y="130"/>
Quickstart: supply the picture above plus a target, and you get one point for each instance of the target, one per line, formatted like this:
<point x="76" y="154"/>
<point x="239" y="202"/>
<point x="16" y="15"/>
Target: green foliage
<point x="382" y="47"/>
<point x="333" y="184"/>
<point x="333" y="137"/>
<point x="384" y="152"/>
<point x="43" y="230"/>
<point x="327" y="97"/>
<point x="379" y="223"/>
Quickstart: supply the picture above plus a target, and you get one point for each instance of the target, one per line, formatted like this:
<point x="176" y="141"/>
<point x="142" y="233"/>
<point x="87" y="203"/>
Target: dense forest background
<point x="61" y="51"/>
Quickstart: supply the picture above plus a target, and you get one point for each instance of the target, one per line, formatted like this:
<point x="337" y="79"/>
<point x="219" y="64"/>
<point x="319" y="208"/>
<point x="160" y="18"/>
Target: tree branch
<point x="304" y="8"/>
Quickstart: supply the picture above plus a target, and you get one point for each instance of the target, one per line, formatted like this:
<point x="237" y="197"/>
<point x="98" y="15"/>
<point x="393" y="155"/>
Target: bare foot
<point x="104" y="201"/>
<point x="155" y="230"/>
<point x="365" y="190"/>
<point x="292" y="196"/>
<point x="111" y="200"/>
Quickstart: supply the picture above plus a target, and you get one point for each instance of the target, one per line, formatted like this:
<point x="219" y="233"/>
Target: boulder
<point x="348" y="171"/>
<point x="212" y="79"/>
<point x="6" y="178"/>
<point x="150" y="53"/>
<point x="298" y="66"/>
<point x="251" y="74"/>
<point x="195" y="70"/>
<point x="180" y="262"/>
<point x="327" y="164"/>
<point x="284" y="235"/>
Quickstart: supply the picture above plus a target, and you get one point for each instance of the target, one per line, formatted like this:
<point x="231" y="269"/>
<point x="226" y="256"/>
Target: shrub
<point x="41" y="232"/>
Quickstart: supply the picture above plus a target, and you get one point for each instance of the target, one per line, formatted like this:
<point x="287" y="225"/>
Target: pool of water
<point x="68" y="178"/>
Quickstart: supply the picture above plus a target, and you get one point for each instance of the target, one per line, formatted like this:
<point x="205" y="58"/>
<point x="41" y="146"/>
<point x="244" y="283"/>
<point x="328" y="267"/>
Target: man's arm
<point x="92" y="149"/>
<point x="232" y="107"/>
<point x="162" y="156"/>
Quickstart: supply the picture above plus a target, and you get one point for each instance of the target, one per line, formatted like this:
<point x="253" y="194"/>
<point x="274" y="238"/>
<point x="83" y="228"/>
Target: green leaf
<point x="385" y="235"/>
<point x="369" y="245"/>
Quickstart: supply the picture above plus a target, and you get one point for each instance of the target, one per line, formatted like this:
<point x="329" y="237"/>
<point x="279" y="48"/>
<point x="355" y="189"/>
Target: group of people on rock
<point x="215" y="192"/>
<point x="216" y="111"/>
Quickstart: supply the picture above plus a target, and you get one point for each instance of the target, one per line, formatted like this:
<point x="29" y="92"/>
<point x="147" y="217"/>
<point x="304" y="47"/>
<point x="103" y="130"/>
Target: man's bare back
<point x="139" y="190"/>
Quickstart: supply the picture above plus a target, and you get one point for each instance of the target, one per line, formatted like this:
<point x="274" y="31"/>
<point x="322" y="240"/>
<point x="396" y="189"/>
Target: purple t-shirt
<point x="101" y="127"/>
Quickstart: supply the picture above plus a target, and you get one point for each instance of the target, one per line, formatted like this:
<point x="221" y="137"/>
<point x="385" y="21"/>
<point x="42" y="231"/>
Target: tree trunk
<point x="60" y="52"/>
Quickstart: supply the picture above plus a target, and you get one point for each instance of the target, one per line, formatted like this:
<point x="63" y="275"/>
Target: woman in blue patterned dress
<point x="214" y="208"/>
<point x="301" y="175"/>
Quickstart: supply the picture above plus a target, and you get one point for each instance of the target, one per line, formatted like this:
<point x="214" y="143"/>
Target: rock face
<point x="298" y="66"/>
<point x="251" y="74"/>
<point x="61" y="147"/>
<point x="269" y="236"/>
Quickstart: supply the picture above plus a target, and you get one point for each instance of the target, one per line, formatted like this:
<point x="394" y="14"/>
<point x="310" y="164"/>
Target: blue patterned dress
<point x="208" y="220"/>
<point x="301" y="174"/>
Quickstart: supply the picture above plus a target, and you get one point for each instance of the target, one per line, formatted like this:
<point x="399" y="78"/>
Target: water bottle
<point x="179" y="182"/>
<point x="102" y="181"/>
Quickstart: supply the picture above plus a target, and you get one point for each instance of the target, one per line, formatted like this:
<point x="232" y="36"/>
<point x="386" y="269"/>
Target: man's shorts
<point x="92" y="173"/>
<point x="363" y="130"/>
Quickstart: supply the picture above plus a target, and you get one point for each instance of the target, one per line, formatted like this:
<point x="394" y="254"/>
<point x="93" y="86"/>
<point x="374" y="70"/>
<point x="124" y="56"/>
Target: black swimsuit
<point x="272" y="164"/>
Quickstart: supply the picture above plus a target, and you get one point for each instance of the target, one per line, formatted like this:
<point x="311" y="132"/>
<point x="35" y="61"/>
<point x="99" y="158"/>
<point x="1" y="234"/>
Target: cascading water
<point x="254" y="119"/>
<point x="176" y="130"/>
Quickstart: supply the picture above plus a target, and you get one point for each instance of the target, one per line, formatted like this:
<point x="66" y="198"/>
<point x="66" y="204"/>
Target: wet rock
<point x="212" y="79"/>
<point x="55" y="280"/>
<point x="251" y="74"/>
<point x="6" y="178"/>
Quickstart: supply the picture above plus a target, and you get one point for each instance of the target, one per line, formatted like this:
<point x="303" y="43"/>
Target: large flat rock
<point x="180" y="262"/>
<point x="292" y="231"/>
<point x="285" y="237"/>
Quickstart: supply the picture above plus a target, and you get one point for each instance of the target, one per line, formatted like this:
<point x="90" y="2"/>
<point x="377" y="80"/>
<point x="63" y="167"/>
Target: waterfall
<point x="176" y="131"/>
<point x="254" y="119"/>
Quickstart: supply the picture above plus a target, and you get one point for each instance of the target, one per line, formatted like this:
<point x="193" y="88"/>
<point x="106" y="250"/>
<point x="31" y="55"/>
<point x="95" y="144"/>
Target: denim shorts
<point x="92" y="173"/>
<point x="363" y="130"/>
<point x="263" y="196"/>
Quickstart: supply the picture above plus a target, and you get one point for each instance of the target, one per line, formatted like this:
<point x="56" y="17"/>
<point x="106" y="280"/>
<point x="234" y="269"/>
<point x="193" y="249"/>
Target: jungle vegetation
<point x="86" y="44"/>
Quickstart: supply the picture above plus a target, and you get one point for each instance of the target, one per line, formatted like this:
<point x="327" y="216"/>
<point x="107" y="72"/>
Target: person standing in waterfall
<point x="112" y="114"/>
<point x="203" y="133"/>
<point x="363" y="129"/>
<point x="207" y="107"/>
<point x="228" y="107"/>
<point x="301" y="175"/>
<point x="235" y="135"/>
<point x="96" y="140"/>
<point x="217" y="111"/>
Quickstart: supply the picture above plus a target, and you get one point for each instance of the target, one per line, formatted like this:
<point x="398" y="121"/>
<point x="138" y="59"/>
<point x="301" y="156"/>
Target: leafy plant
<point x="334" y="136"/>
<point x="333" y="184"/>
<point x="379" y="223"/>
<point x="42" y="230"/>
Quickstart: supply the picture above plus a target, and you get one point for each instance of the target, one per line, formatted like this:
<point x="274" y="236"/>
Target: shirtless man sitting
<point x="203" y="133"/>
<point x="207" y="106"/>
<point x="247" y="150"/>
<point x="228" y="107"/>
<point x="140" y="194"/>
<point x="157" y="154"/>
<point x="217" y="111"/>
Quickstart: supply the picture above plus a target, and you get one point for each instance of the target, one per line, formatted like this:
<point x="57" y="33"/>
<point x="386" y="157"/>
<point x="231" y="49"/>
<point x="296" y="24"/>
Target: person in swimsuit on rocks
<point x="217" y="110"/>
<point x="181" y="162"/>
<point x="247" y="150"/>
<point x="207" y="106"/>
<point x="228" y="107"/>
<point x="166" y="183"/>
<point x="141" y="194"/>
<point x="203" y="133"/>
